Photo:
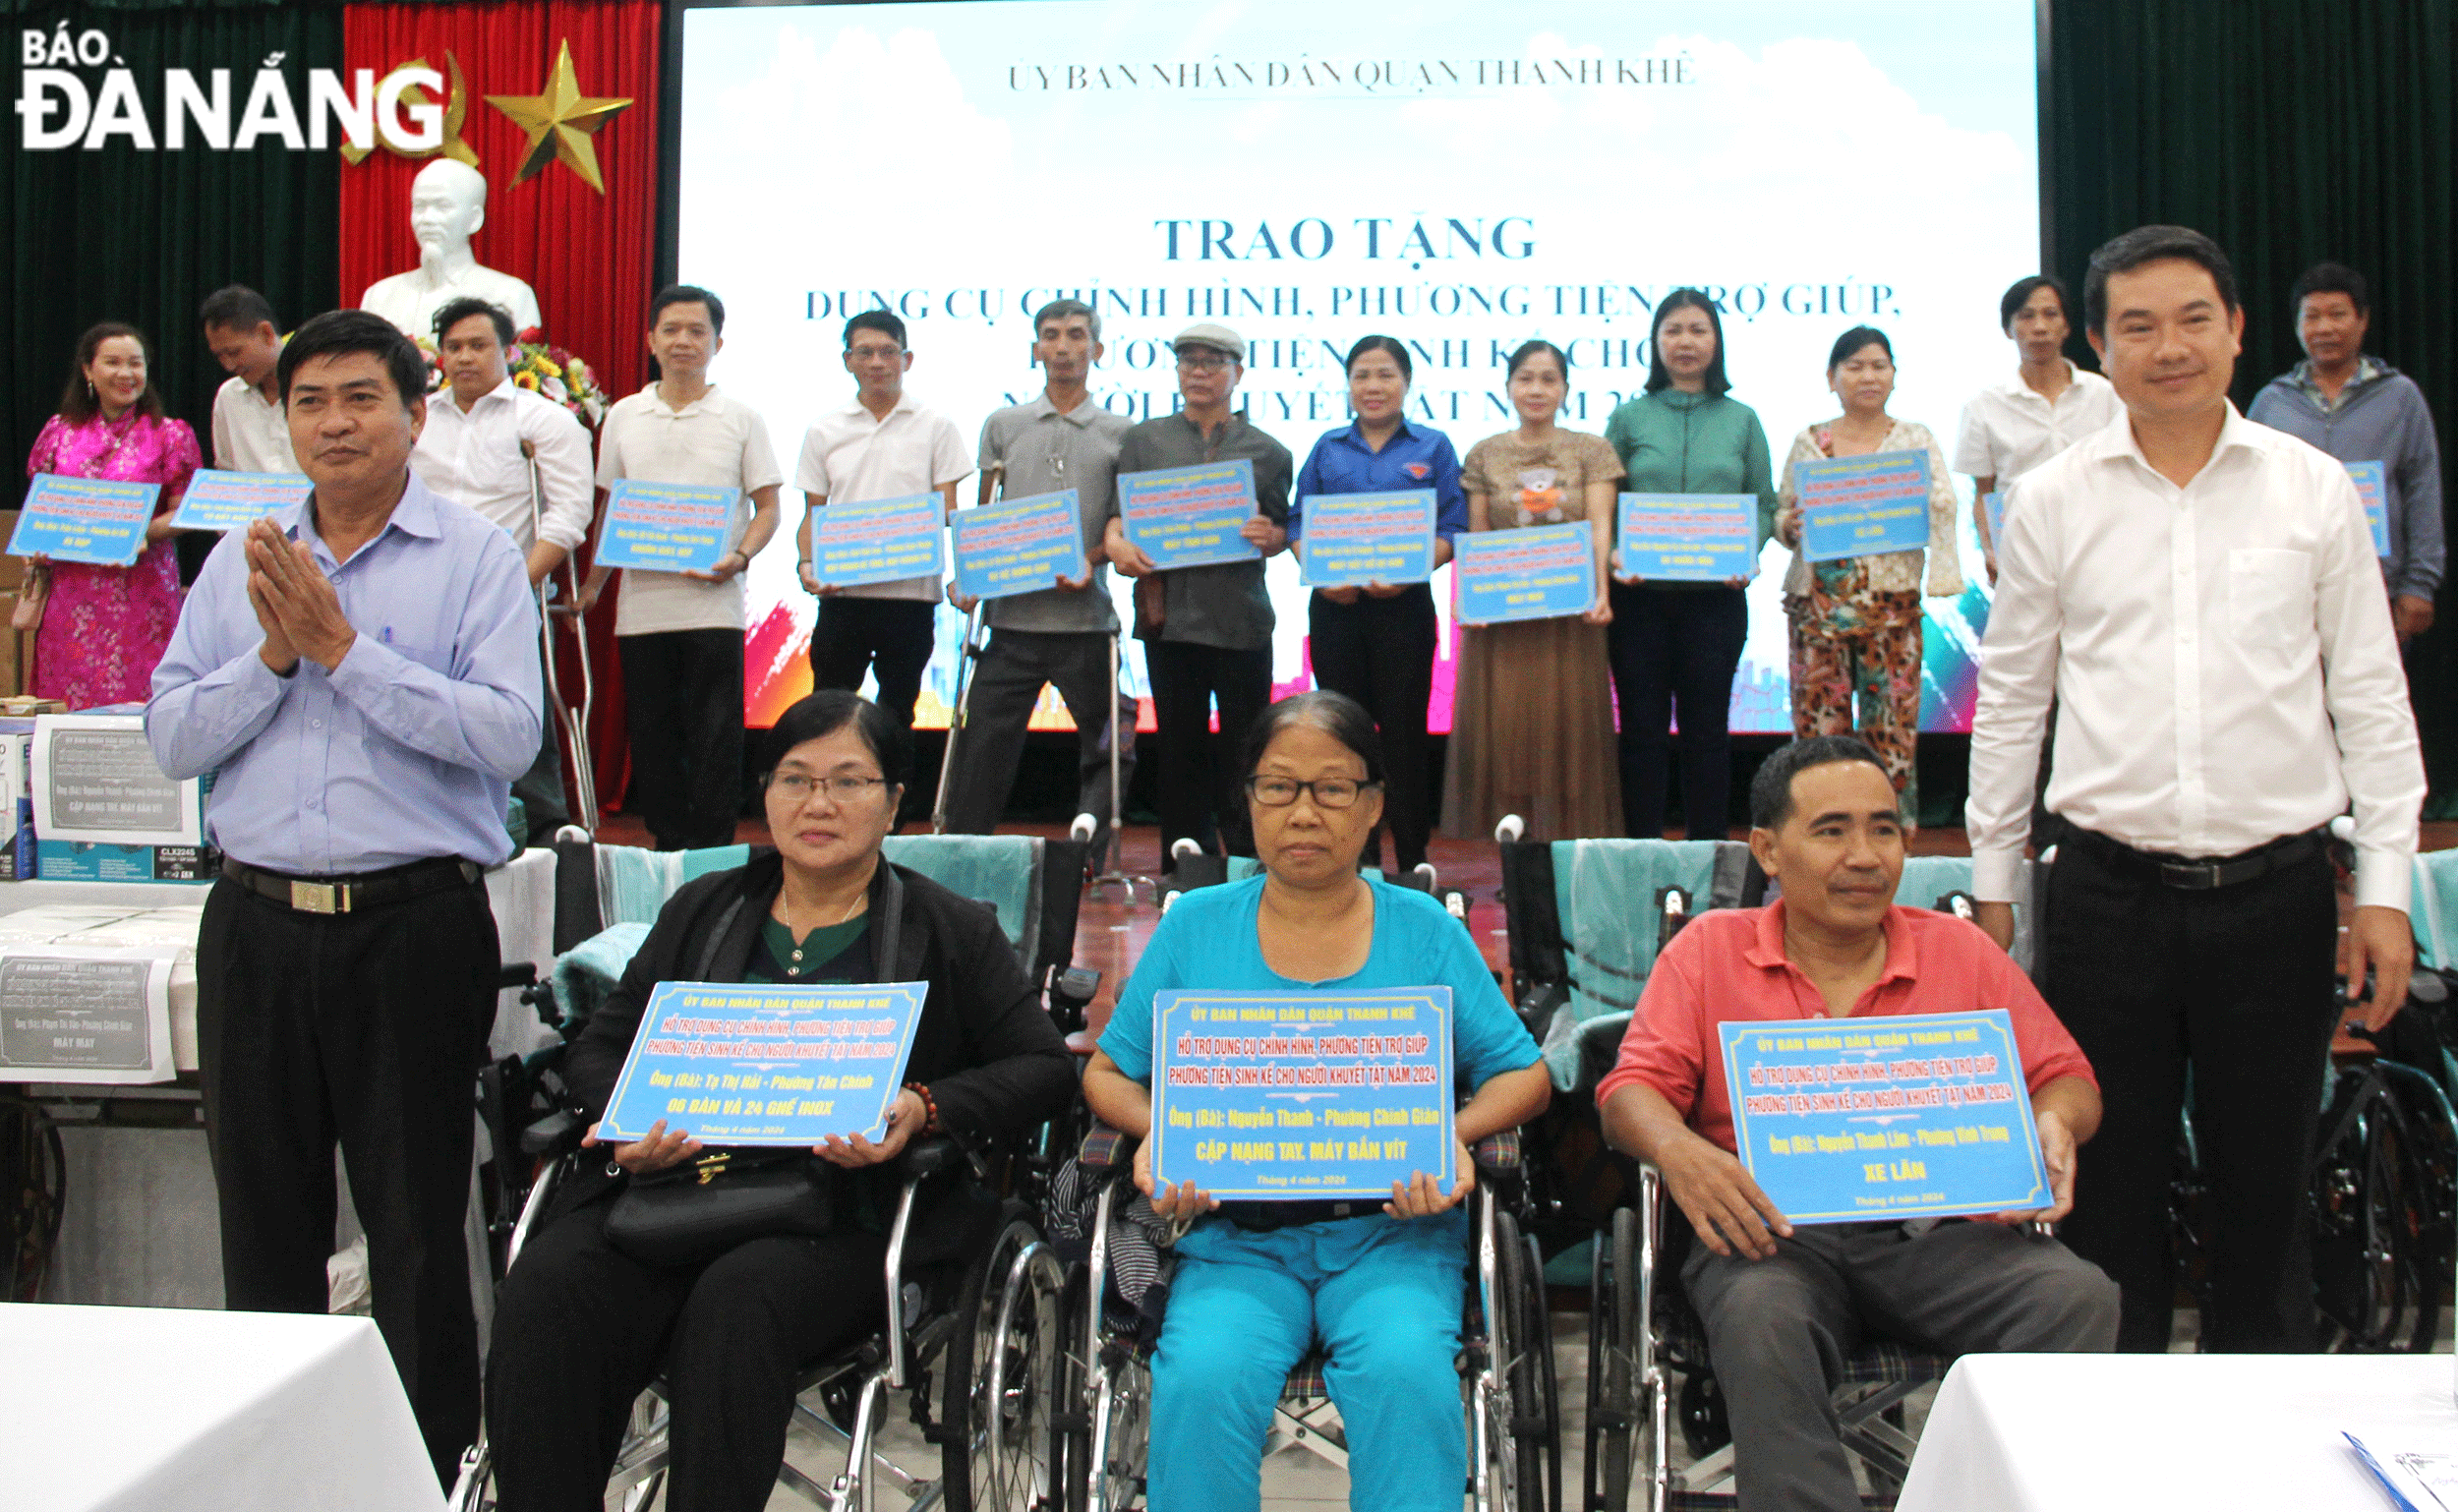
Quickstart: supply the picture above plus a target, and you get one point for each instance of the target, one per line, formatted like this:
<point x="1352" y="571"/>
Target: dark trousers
<point x="1674" y="651"/>
<point x="540" y="787"/>
<point x="1381" y="653"/>
<point x="365" y="1028"/>
<point x="683" y="710"/>
<point x="890" y="638"/>
<point x="2232" y="986"/>
<point x="1780" y="1330"/>
<point x="581" y="1330"/>
<point x="1006" y="683"/>
<point x="1202" y="787"/>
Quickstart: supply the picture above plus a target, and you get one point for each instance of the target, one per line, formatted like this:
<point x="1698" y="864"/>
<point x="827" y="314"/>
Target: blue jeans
<point x="1384" y="1297"/>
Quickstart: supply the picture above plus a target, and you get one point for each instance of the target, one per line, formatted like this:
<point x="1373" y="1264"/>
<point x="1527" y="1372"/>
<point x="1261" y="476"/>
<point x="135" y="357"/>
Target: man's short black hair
<point x="236" y="307"/>
<point x="2150" y="243"/>
<point x="2330" y="279"/>
<point x="337" y="332"/>
<point x="688" y="294"/>
<point x="878" y="321"/>
<point x="830" y="710"/>
<point x="2020" y="295"/>
<point x="1771" y="790"/>
<point x="461" y="310"/>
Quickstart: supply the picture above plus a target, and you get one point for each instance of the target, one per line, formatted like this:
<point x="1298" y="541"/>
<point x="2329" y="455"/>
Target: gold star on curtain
<point x="559" y="120"/>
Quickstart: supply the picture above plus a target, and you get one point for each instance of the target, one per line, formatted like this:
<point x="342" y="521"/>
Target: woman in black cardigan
<point x="581" y="1327"/>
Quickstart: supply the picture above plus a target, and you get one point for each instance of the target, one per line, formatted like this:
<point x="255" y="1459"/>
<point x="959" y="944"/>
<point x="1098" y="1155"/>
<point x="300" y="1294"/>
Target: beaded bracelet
<point x="930" y="1107"/>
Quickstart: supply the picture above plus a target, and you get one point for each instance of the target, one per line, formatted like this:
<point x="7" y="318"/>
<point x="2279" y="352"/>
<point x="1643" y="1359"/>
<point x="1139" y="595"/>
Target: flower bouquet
<point x="542" y="369"/>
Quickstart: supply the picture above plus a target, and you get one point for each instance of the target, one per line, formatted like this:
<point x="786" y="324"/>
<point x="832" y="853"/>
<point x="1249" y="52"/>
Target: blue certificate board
<point x="2372" y="489"/>
<point x="668" y="527"/>
<point x="1995" y="505"/>
<point x="879" y="541"/>
<point x="1282" y="1096"/>
<point x="1190" y="516"/>
<point x="1689" y="538"/>
<point x="752" y="1064"/>
<point x="1352" y="540"/>
<point x="1018" y="545"/>
<point x="1862" y="506"/>
<point x="219" y="501"/>
<point x="99" y="521"/>
<point x="1540" y="572"/>
<point x="1842" y="1120"/>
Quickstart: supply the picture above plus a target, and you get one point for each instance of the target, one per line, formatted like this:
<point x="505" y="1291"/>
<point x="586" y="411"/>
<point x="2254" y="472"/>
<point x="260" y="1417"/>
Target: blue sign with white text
<point x="98" y="521"/>
<point x="1689" y="538"/>
<point x="1841" y="1120"/>
<point x="668" y="527"/>
<point x="1995" y="506"/>
<point x="219" y="501"/>
<point x="879" y="541"/>
<point x="2372" y="487"/>
<point x="1357" y="539"/>
<point x="1018" y="545"/>
<point x="1321" y="1095"/>
<point x="753" y="1064"/>
<point x="1536" y="572"/>
<point x="1190" y="516"/>
<point x="1862" y="506"/>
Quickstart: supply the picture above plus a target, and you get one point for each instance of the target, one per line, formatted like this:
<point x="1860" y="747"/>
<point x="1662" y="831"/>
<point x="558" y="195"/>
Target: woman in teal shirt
<point x="1676" y="645"/>
<point x="1258" y="1282"/>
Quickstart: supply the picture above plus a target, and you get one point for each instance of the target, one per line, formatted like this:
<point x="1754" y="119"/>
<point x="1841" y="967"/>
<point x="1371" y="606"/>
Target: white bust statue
<point x="447" y="206"/>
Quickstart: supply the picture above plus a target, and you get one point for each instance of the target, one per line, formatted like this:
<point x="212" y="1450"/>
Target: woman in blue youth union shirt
<point x="1376" y="643"/>
<point x="1258" y="1282"/>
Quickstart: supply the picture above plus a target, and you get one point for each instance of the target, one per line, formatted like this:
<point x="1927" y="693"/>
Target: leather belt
<point x="350" y="895"/>
<point x="2202" y="874"/>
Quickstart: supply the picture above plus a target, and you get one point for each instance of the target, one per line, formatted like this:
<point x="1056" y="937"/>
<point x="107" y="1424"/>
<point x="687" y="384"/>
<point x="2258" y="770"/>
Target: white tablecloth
<point x="2111" y="1433"/>
<point x="150" y="1409"/>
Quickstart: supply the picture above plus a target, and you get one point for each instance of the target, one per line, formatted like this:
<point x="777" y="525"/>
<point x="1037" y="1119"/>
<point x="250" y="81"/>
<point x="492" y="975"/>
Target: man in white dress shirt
<point x="481" y="434"/>
<point x="2045" y="406"/>
<point x="249" y="432"/>
<point x="2199" y="594"/>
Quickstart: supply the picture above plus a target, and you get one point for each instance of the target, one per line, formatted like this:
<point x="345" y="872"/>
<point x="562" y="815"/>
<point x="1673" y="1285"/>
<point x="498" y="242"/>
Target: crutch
<point x="574" y="723"/>
<point x="1114" y="863"/>
<point x="993" y="487"/>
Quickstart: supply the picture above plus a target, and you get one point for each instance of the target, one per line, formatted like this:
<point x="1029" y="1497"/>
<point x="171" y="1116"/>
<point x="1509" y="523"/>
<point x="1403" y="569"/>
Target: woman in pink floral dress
<point x="105" y="627"/>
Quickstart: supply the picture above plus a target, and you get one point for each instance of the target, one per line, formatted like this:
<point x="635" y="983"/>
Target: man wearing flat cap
<point x="1206" y="631"/>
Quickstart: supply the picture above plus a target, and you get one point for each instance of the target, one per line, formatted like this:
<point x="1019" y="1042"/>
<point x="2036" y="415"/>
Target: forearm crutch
<point x="993" y="487"/>
<point x="573" y="723"/>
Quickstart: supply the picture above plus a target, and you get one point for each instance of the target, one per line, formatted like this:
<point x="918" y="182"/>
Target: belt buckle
<point x="2189" y="876"/>
<point x="319" y="896"/>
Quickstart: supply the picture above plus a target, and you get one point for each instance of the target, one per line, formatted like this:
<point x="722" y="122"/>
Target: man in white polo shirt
<point x="681" y="633"/>
<point x="2044" y="406"/>
<point x="2200" y="593"/>
<point x="472" y="452"/>
<point x="883" y="444"/>
<point x="249" y="432"/>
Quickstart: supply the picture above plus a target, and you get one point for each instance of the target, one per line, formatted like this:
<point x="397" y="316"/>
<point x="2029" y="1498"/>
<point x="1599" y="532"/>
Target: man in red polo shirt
<point x="1785" y="1305"/>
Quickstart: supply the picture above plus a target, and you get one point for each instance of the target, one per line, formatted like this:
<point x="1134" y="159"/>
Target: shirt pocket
<point x="2270" y="598"/>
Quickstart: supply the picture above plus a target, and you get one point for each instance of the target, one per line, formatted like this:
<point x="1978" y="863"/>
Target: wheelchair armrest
<point x="515" y="973"/>
<point x="933" y="1157"/>
<point x="552" y="1136"/>
<point x="1105" y="1148"/>
<point x="1538" y="1008"/>
<point x="1497" y="1154"/>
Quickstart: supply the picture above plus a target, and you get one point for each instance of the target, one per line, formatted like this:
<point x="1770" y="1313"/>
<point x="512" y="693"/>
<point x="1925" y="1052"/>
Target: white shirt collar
<point x="2119" y="442"/>
<point x="905" y="405"/>
<point x="2014" y="387"/>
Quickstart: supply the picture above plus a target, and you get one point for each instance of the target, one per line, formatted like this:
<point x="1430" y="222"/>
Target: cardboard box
<point x="73" y="860"/>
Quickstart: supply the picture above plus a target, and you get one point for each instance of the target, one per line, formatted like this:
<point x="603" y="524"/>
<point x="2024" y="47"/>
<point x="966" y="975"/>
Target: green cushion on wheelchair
<point x="1606" y="891"/>
<point x="1928" y="878"/>
<point x="589" y="970"/>
<point x="2436" y="908"/>
<point x="633" y="883"/>
<point x="997" y="869"/>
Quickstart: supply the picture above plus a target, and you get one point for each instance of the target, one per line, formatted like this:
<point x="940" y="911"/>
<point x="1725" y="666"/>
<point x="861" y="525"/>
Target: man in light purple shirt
<point x="360" y="672"/>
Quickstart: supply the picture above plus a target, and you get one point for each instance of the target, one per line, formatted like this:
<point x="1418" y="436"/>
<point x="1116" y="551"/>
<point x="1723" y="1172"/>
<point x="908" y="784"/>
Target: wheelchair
<point x="1195" y="867"/>
<point x="1101" y="1389"/>
<point x="980" y="1333"/>
<point x="1580" y="957"/>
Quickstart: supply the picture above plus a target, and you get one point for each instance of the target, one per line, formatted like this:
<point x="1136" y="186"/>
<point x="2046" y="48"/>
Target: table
<point x="2111" y="1433"/>
<point x="136" y="1409"/>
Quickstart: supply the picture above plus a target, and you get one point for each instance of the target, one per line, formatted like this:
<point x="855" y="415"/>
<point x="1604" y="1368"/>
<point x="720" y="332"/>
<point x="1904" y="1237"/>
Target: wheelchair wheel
<point x="1071" y="1399"/>
<point x="993" y="1453"/>
<point x="1537" y="1344"/>
<point x="2370" y="1203"/>
<point x="1513" y="1390"/>
<point x="1614" y="1407"/>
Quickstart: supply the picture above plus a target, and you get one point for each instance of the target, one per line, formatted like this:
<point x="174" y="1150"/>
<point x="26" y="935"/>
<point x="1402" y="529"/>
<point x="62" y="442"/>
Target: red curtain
<point x="587" y="254"/>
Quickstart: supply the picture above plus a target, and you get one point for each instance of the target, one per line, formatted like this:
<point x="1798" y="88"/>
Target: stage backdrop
<point x="587" y="254"/>
<point x="1462" y="175"/>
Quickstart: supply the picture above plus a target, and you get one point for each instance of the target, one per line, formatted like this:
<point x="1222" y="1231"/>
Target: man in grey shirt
<point x="1206" y="631"/>
<point x="1058" y="635"/>
<point x="2358" y="408"/>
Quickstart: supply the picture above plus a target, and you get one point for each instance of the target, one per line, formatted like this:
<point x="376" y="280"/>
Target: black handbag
<point x="690" y="1214"/>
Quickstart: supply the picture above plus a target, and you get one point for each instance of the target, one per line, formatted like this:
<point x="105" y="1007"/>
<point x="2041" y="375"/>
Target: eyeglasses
<point x="798" y="787"/>
<point x="1327" y="792"/>
<point x="1204" y="362"/>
